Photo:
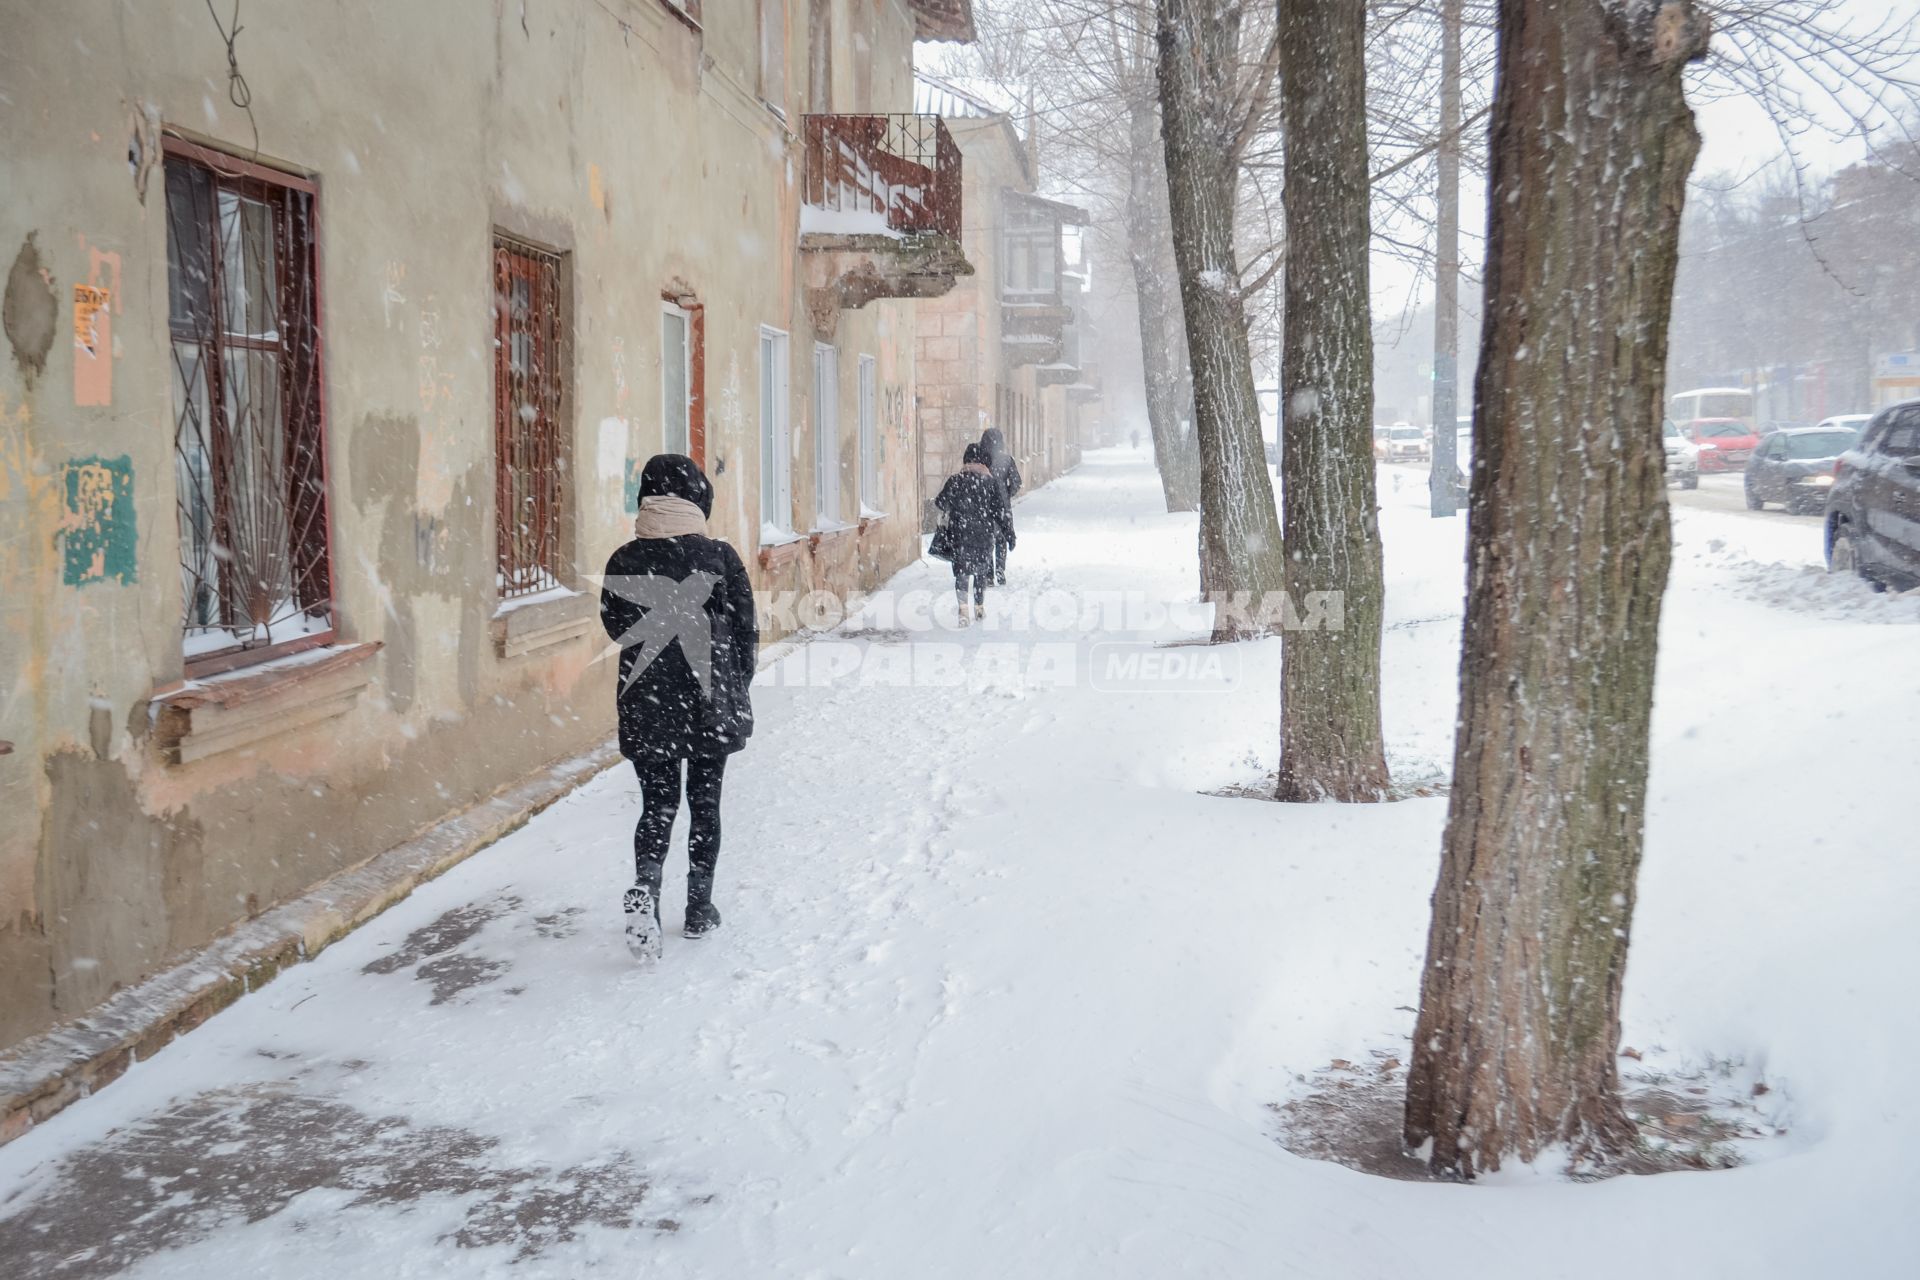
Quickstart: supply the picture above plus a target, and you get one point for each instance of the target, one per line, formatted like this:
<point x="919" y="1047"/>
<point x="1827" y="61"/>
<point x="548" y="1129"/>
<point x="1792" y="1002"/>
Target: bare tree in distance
<point x="1207" y="105"/>
<point x="1088" y="66"/>
<point x="1515" y="1046"/>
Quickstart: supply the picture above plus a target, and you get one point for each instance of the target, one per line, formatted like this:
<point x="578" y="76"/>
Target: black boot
<point x="642" y="906"/>
<point x="702" y="916"/>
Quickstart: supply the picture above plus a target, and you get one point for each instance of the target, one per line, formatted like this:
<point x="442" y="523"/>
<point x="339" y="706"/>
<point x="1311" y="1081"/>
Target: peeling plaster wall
<point x="610" y="131"/>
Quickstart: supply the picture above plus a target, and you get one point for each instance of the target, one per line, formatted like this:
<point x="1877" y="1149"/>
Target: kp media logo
<point x="1130" y="666"/>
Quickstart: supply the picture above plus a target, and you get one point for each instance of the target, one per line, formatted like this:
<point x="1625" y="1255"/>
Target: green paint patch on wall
<point x="634" y="467"/>
<point x="97" y="524"/>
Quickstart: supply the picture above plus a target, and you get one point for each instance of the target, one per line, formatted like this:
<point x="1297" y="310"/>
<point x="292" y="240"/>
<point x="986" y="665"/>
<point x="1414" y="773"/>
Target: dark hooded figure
<point x="1007" y="472"/>
<point x="679" y="605"/>
<point x="978" y="519"/>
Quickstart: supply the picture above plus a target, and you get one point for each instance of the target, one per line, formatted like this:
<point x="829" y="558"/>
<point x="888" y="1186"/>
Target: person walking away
<point x="979" y="519"/>
<point x="680" y="606"/>
<point x="1007" y="472"/>
<point x="1136" y="441"/>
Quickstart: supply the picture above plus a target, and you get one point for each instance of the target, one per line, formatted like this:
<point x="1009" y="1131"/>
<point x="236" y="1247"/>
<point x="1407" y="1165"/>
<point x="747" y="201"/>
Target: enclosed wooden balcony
<point x="881" y="211"/>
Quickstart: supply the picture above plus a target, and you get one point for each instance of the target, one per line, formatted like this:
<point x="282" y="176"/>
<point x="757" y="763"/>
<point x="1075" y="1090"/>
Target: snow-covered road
<point x="1003" y="992"/>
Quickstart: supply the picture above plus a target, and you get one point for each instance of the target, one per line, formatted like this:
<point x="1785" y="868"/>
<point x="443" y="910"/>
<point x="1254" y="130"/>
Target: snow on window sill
<point x="547" y="596"/>
<point x="204" y="717"/>
<point x="774" y="536"/>
<point x="828" y="525"/>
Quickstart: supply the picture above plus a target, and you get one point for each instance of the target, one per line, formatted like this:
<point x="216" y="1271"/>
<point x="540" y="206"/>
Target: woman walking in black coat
<point x="978" y="518"/>
<point x="994" y="445"/>
<point x="680" y="606"/>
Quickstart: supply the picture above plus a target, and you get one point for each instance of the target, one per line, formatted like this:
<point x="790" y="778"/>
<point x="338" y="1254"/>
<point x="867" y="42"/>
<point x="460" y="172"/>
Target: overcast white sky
<point x="1738" y="136"/>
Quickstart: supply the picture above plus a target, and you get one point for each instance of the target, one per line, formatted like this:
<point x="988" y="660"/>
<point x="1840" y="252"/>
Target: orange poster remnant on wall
<point x="92" y="345"/>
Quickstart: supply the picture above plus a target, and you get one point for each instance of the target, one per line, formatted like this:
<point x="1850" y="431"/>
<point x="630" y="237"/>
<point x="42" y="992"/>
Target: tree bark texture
<point x="1240" y="553"/>
<point x="1330" y="740"/>
<point x="1163" y="334"/>
<point x="1515" y="1046"/>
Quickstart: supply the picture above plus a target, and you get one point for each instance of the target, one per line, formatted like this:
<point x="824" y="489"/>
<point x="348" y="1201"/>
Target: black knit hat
<point x="675" y="475"/>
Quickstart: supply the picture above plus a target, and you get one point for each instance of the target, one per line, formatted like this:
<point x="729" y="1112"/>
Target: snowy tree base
<point x="1691" y="1116"/>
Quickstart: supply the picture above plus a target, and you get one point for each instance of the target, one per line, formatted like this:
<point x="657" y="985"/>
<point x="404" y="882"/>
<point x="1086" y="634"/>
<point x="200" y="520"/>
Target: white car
<point x="1683" y="456"/>
<point x="1404" y="440"/>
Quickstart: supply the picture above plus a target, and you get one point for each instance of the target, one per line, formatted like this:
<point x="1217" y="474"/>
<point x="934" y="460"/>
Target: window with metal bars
<point x="529" y="445"/>
<point x="249" y="430"/>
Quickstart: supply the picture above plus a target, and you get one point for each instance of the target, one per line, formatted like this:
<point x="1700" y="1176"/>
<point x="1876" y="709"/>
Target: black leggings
<point x="660" y="793"/>
<point x="960" y="576"/>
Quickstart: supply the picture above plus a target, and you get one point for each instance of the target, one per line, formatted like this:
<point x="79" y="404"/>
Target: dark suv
<point x="1873" y="515"/>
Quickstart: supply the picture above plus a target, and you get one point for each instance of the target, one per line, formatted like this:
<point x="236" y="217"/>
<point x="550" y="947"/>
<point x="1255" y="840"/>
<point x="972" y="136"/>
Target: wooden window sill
<point x="201" y="718"/>
<point x="522" y="628"/>
<point x="777" y="555"/>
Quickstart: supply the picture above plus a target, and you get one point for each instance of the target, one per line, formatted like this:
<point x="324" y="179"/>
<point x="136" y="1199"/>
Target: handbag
<point x="941" y="547"/>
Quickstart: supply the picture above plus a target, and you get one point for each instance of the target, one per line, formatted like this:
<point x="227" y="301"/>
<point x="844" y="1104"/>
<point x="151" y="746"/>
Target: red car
<point x="1725" y="443"/>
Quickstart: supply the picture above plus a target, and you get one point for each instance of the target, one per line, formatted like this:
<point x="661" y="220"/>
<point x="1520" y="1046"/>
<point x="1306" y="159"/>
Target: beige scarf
<point x="667" y="517"/>
<point x="978" y="468"/>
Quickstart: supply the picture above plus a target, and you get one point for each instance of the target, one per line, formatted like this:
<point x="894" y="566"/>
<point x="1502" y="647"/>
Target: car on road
<point x="1794" y="467"/>
<point x="1683" y="456"/>
<point x="1854" y="422"/>
<point x="1404" y="440"/>
<point x="1380" y="437"/>
<point x="1725" y="444"/>
<point x="1873" y="510"/>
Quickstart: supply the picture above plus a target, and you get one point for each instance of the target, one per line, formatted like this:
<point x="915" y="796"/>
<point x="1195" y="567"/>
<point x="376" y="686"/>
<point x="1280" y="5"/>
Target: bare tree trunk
<point x="1163" y="334"/>
<point x="1519" y="1025"/>
<point x="1330" y="741"/>
<point x="1240" y="556"/>
<point x="1442" y="495"/>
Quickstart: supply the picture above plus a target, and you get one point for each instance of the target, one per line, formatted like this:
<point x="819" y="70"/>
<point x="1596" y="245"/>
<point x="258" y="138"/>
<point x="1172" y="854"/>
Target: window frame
<point x="826" y="437"/>
<point x="668" y="307"/>
<point x="229" y="171"/>
<point x="776" y="435"/>
<point x="1029" y="234"/>
<point x="552" y="463"/>
<point x="867" y="384"/>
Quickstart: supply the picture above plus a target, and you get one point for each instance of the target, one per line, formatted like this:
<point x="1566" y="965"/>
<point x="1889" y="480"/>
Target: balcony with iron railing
<point x="881" y="210"/>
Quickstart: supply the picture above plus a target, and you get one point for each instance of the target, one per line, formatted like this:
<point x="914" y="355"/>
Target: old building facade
<point x="1004" y="347"/>
<point x="321" y="412"/>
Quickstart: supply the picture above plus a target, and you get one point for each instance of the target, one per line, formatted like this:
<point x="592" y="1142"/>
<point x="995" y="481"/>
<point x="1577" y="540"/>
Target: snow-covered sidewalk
<point x="1002" y="991"/>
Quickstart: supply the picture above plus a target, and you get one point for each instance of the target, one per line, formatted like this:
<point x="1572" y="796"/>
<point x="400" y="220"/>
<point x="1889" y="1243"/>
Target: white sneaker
<point x="643" y="925"/>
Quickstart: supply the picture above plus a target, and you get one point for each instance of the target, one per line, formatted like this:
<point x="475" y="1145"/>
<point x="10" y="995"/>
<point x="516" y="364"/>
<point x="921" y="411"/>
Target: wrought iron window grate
<point x="249" y="438"/>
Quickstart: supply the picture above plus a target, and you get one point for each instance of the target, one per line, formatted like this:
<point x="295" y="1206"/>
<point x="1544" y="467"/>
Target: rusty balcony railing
<point x="897" y="173"/>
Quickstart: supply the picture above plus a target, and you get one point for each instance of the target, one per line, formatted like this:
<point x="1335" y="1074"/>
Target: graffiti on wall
<point x="96" y="525"/>
<point x="391" y="297"/>
<point x="893" y="410"/>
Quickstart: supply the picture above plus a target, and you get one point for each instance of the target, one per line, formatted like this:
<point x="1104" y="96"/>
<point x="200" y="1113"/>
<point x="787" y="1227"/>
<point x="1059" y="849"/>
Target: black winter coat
<point x="1000" y="458"/>
<point x="977" y="513"/>
<point x="665" y="713"/>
